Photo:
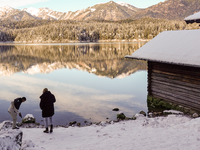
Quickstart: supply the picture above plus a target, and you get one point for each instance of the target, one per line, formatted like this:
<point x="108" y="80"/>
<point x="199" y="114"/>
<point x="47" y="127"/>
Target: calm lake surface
<point x="88" y="80"/>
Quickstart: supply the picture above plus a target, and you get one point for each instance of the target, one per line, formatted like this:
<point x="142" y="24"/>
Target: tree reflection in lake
<point x="72" y="72"/>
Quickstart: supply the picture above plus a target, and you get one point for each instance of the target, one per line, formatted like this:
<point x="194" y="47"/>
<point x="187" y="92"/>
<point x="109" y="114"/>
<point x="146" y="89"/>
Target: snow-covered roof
<point x="195" y="16"/>
<point x="176" y="47"/>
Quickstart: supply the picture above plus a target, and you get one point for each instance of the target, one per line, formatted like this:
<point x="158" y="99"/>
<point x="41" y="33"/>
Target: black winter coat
<point x="17" y="103"/>
<point x="47" y="104"/>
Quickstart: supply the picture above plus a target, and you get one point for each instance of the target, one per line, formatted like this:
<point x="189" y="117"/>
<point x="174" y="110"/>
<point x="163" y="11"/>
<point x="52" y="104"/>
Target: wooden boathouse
<point x="193" y="18"/>
<point x="173" y="67"/>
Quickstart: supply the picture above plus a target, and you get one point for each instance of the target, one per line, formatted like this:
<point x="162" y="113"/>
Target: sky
<point x="70" y="5"/>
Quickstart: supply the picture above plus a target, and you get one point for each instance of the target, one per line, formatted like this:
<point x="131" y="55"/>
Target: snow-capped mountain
<point x="104" y="11"/>
<point x="44" y="13"/>
<point x="128" y="6"/>
<point x="32" y="11"/>
<point x="9" y="13"/>
<point x="168" y="9"/>
<point x="6" y="11"/>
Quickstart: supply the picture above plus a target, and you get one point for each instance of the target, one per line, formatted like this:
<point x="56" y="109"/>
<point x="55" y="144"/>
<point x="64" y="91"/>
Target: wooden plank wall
<point x="174" y="83"/>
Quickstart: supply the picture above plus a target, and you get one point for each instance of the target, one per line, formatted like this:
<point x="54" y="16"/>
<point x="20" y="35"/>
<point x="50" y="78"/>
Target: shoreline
<point x="72" y="42"/>
<point x="125" y="135"/>
<point x="119" y="118"/>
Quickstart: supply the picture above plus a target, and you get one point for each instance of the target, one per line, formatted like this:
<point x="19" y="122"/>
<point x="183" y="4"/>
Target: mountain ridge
<point x="111" y="11"/>
<point x="104" y="11"/>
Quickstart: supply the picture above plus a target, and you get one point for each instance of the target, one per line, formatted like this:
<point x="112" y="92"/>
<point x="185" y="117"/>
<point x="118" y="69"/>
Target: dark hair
<point x="45" y="89"/>
<point x="24" y="98"/>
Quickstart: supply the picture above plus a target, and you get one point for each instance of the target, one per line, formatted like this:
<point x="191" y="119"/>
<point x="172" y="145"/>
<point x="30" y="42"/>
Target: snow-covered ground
<point x="174" y="132"/>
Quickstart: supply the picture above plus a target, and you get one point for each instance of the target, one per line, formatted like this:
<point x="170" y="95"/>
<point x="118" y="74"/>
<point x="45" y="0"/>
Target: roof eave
<point x="159" y="61"/>
<point x="192" y="21"/>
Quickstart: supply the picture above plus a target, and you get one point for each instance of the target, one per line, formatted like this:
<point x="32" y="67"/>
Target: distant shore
<point x="70" y="42"/>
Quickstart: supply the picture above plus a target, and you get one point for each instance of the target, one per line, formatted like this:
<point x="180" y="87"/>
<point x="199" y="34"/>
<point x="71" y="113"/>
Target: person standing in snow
<point x="14" y="110"/>
<point x="47" y="106"/>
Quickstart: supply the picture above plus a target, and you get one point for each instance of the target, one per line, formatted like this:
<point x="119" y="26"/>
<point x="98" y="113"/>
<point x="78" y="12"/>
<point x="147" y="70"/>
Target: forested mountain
<point x="106" y="21"/>
<point x="91" y="31"/>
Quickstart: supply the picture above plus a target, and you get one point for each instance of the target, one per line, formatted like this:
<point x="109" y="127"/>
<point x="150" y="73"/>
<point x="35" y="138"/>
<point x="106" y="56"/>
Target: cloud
<point x="19" y="3"/>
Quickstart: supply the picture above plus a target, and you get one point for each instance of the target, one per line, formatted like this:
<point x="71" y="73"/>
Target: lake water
<point x="88" y="80"/>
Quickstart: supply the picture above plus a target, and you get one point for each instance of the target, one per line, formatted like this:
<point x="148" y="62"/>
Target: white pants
<point x="46" y="121"/>
<point x="14" y="117"/>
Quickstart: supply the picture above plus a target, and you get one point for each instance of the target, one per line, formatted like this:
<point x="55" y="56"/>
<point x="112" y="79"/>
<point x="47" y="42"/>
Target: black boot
<point x="51" y="128"/>
<point x="46" y="131"/>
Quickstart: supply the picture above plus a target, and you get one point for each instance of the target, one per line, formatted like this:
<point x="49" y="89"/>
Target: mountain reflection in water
<point x="72" y="72"/>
